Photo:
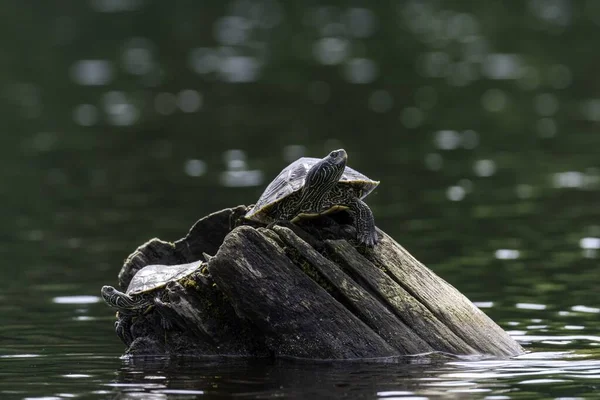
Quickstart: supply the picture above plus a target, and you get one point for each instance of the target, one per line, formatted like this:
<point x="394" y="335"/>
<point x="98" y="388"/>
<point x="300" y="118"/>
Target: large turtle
<point x="141" y="293"/>
<point x="313" y="186"/>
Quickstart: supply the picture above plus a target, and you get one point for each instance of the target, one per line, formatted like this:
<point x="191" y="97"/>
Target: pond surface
<point x="123" y="121"/>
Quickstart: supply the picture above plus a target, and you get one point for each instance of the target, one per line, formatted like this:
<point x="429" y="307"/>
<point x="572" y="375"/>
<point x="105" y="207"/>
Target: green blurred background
<point x="126" y="120"/>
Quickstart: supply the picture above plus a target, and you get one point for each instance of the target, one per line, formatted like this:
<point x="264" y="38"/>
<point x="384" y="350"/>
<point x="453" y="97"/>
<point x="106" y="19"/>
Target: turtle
<point x="310" y="187"/>
<point x="141" y="294"/>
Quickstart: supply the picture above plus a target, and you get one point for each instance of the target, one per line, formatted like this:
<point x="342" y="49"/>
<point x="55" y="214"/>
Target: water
<point x="128" y="120"/>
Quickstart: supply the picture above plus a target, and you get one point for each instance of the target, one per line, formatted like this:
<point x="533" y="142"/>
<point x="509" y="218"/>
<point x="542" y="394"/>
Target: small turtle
<point x="312" y="186"/>
<point x="141" y="293"/>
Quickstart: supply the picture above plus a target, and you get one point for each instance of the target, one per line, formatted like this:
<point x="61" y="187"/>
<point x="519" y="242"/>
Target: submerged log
<point x="303" y="290"/>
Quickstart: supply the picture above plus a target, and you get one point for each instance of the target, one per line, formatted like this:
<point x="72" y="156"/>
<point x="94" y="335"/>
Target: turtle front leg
<point x="364" y="222"/>
<point x="123" y="329"/>
<point x="163" y="309"/>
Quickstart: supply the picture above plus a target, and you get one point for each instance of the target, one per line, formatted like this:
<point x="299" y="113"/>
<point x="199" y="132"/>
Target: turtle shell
<point x="156" y="276"/>
<point x="292" y="179"/>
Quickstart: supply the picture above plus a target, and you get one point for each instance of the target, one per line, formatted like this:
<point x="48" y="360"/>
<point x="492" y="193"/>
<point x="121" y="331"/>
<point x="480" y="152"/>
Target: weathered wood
<point x="207" y="235"/>
<point x="361" y="302"/>
<point x="405" y="306"/>
<point x="298" y="316"/>
<point x="445" y="302"/>
<point x="210" y="322"/>
<point x="303" y="291"/>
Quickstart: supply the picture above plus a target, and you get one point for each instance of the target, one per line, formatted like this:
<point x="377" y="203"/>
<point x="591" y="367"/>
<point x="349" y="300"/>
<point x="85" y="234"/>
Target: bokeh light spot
<point x="502" y="66"/>
<point x="411" y="117"/>
<point x="484" y="168"/>
<point x="195" y="167"/>
<point x="507" y="254"/>
<point x="591" y="110"/>
<point x="524" y="191"/>
<point x="85" y="114"/>
<point x="92" y="72"/>
<point x="120" y="111"/>
<point x="590" y="243"/>
<point x="233" y="156"/>
<point x="239" y="69"/>
<point x="293" y="152"/>
<point x="242" y="178"/>
<point x="447" y="139"/>
<point x="113" y="6"/>
<point x="494" y="100"/>
<point x="331" y="50"/>
<point x="231" y="30"/>
<point x="137" y="56"/>
<point x="456" y="193"/>
<point x="189" y="101"/>
<point x="361" y="70"/>
<point x="568" y="179"/>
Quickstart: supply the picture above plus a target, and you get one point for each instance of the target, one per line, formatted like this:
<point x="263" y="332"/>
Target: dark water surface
<point x="127" y="120"/>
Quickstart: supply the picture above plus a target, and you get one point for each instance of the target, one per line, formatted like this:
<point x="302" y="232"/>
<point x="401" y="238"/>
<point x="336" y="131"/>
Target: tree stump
<point x="303" y="290"/>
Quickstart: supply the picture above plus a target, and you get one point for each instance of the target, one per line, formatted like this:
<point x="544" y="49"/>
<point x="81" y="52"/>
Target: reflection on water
<point x="535" y="375"/>
<point x="51" y="340"/>
<point x="126" y="120"/>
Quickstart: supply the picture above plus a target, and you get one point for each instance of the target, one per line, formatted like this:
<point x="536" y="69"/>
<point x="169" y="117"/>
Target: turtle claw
<point x="368" y="239"/>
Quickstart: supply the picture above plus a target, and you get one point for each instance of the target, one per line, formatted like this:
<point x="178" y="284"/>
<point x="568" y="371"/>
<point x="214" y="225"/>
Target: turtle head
<point x="116" y="299"/>
<point x="108" y="293"/>
<point x="338" y="157"/>
<point x="321" y="178"/>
